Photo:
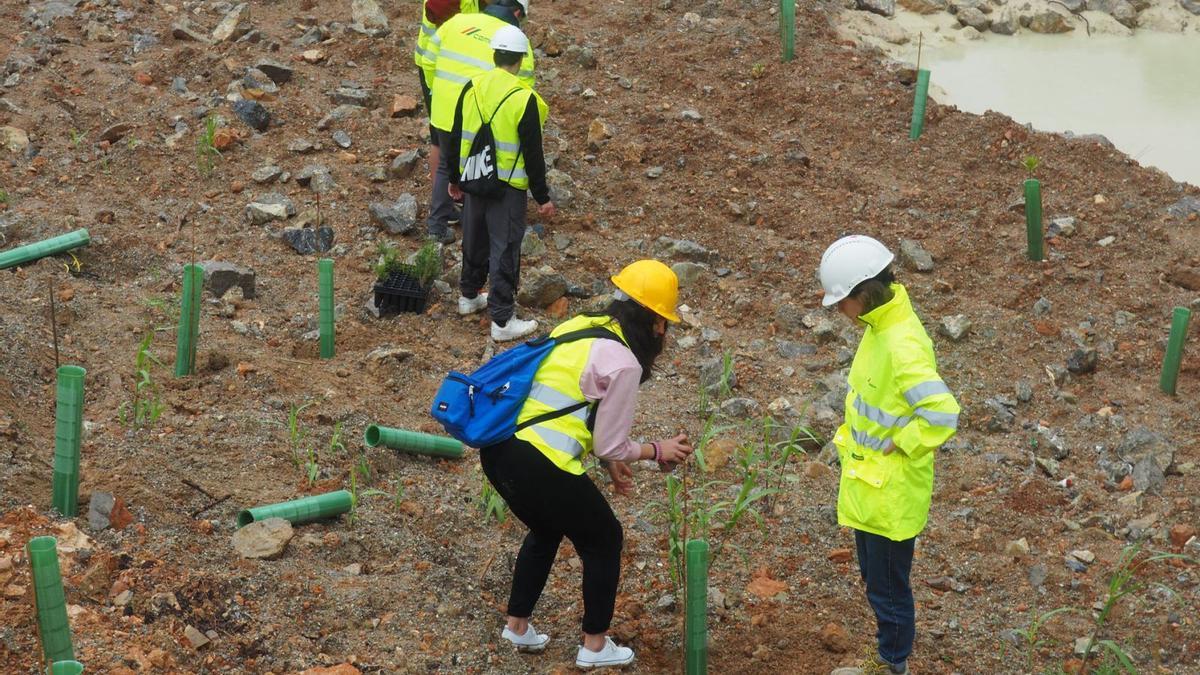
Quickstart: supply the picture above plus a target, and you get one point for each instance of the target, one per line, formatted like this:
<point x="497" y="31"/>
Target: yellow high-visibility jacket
<point x="421" y="54"/>
<point x="499" y="96"/>
<point x="565" y="440"/>
<point x="461" y="50"/>
<point x="895" y="396"/>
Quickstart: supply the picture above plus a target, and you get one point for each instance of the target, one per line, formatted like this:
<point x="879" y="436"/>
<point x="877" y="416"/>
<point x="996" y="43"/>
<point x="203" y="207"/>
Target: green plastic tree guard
<point x="787" y="28"/>
<point x="1033" y="218"/>
<point x="325" y="298"/>
<point x="696" y="629"/>
<point x="300" y="511"/>
<point x="65" y="668"/>
<point x="1174" y="356"/>
<point x="413" y="441"/>
<point x="46" y="247"/>
<point x="920" y="96"/>
<point x="53" y="627"/>
<point x="68" y="423"/>
<point x="189" y="320"/>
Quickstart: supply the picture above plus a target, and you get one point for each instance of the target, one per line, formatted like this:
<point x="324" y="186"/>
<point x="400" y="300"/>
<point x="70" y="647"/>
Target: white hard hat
<point x="510" y="39"/>
<point x="848" y="262"/>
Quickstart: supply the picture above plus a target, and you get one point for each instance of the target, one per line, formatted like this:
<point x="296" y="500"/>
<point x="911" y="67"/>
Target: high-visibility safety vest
<point x="565" y="440"/>
<point x="895" y="396"/>
<point x="421" y="54"/>
<point x="488" y="91"/>
<point x="460" y="51"/>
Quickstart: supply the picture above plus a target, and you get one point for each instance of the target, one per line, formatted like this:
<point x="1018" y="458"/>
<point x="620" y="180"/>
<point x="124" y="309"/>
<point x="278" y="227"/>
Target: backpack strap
<point x="581" y="334"/>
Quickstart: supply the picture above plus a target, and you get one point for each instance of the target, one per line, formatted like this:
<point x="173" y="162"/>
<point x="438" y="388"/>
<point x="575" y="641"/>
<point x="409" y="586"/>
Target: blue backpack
<point x="481" y="409"/>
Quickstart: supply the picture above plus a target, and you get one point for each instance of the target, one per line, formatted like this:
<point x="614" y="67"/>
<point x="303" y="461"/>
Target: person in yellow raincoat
<point x="898" y="412"/>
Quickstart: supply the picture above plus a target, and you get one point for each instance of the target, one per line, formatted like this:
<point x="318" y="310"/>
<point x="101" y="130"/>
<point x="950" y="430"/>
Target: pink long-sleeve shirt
<point x="612" y="376"/>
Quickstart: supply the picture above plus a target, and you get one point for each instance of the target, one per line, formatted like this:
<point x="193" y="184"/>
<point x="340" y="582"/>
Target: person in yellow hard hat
<point x="898" y="412"/>
<point x="539" y="471"/>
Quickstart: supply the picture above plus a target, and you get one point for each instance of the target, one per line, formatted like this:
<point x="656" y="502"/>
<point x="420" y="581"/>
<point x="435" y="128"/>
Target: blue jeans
<point x="885" y="566"/>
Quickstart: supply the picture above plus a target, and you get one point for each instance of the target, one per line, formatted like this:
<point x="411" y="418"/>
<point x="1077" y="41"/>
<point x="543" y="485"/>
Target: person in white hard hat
<point x="494" y="225"/>
<point x="898" y="412"/>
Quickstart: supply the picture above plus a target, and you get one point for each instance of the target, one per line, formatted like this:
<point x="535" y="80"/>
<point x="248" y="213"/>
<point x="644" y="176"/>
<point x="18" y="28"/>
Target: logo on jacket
<point x="477" y="166"/>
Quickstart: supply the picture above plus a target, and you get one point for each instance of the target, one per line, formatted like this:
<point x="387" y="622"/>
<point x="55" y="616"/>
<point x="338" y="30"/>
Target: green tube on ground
<point x="920" y="96"/>
<point x="68" y="427"/>
<point x="413" y="441"/>
<point x="325" y="298"/>
<point x="1033" y="218"/>
<point x="300" y="511"/>
<point x="65" y="668"/>
<point x="787" y="28"/>
<point x="1174" y="355"/>
<point x="189" y="320"/>
<point x="46" y="247"/>
<point x="53" y="627"/>
<point x="696" y="629"/>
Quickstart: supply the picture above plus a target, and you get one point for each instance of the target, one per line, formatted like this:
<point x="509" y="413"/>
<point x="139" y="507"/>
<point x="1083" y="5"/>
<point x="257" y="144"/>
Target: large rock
<point x="231" y="27"/>
<point x="914" y="257"/>
<point x="404" y="164"/>
<point x="1141" y="443"/>
<point x="713" y="377"/>
<point x="1190" y="5"/>
<point x="955" y="327"/>
<point x="1050" y="21"/>
<point x="263" y="539"/>
<point x="855" y="26"/>
<point x="316" y="177"/>
<point x="925" y="6"/>
<point x="969" y="16"/>
<point x="368" y="18"/>
<point x="562" y="188"/>
<point x="682" y="248"/>
<point x="99" y="508"/>
<point x="540" y="287"/>
<point x="688" y="272"/>
<point x="1005" y="23"/>
<point x="309" y="240"/>
<point x="220" y="276"/>
<point x="880" y="7"/>
<point x="1184" y="207"/>
<point x="1121" y="10"/>
<point x="13" y="139"/>
<point x="268" y="207"/>
<point x="398" y="217"/>
<point x="276" y="71"/>
<point x="252" y="114"/>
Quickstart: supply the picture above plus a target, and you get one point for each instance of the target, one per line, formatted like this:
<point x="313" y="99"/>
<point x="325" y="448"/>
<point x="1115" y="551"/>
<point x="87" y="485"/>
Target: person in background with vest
<point x="458" y="51"/>
<point x="493" y="227"/>
<point x="898" y="412"/>
<point x="442" y="212"/>
<point x="540" y="472"/>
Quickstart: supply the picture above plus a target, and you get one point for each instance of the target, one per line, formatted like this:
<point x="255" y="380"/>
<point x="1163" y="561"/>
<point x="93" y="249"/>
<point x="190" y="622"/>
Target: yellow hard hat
<point x="653" y="285"/>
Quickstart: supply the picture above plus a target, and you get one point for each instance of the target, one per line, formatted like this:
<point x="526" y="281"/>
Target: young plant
<point x="4" y="199"/>
<point x="335" y="440"/>
<point x="297" y="434"/>
<point x="491" y="503"/>
<point x="146" y="406"/>
<point x="312" y="470"/>
<point x="427" y="263"/>
<point x="1031" y="163"/>
<point x="76" y="138"/>
<point x="206" y="151"/>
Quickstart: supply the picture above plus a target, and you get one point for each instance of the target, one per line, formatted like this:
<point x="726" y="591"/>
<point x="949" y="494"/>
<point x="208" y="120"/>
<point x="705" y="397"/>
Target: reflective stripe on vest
<point x="422" y="55"/>
<point x="487" y="91"/>
<point x="461" y="51"/>
<point x="563" y="440"/>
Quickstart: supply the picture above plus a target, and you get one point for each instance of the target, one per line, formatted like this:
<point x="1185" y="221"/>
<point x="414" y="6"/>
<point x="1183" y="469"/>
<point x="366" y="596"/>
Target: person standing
<point x="898" y="412"/>
<point x="442" y="211"/>
<point x="494" y="226"/>
<point x="539" y="471"/>
<point x="458" y="51"/>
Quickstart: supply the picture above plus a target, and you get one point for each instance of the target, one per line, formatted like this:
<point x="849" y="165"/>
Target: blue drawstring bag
<point x="481" y="409"/>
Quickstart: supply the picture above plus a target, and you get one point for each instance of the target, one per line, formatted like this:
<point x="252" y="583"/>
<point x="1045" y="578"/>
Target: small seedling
<point x="1031" y="163"/>
<point x="335" y="440"/>
<point x="312" y="470"/>
<point x="426" y="263"/>
<point x="206" y="152"/>
<point x="132" y="143"/>
<point x="4" y="196"/>
<point x="296" y="431"/>
<point x="758" y="70"/>
<point x="76" y="138"/>
<point x="146" y="406"/>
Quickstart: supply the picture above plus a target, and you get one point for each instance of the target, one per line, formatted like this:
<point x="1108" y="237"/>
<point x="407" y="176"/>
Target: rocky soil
<point x="675" y="133"/>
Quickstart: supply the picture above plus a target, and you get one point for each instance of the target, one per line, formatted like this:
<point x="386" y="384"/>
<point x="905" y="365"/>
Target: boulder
<point x="398" y="217"/>
<point x="562" y="188"/>
<point x="855" y="26"/>
<point x="1005" y="22"/>
<point x="969" y="16"/>
<point x="540" y="287"/>
<point x="13" y="139"/>
<point x="925" y="6"/>
<point x="220" y="276"/>
<point x="682" y="248"/>
<point x="309" y="240"/>
<point x="231" y="28"/>
<point x="404" y="164"/>
<point x="263" y="539"/>
<point x="278" y="73"/>
<point x="1050" y="21"/>
<point x="252" y="114"/>
<point x="1121" y="10"/>
<point x="688" y="272"/>
<point x="1141" y="443"/>
<point x="881" y="7"/>
<point x="914" y="257"/>
<point x="368" y="15"/>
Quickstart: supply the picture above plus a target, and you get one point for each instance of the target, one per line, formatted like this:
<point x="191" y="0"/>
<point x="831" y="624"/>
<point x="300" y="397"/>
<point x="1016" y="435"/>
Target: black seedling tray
<point x="401" y="292"/>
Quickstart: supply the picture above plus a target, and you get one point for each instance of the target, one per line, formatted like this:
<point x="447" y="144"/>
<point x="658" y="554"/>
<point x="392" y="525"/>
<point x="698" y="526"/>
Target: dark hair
<point x="506" y="58"/>
<point x="876" y="291"/>
<point x="637" y="325"/>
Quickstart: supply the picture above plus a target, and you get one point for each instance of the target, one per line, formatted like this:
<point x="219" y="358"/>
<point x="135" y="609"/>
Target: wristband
<point x="657" y="451"/>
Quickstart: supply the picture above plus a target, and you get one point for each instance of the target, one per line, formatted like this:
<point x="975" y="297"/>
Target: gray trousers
<point x="491" y="238"/>
<point x="441" y="207"/>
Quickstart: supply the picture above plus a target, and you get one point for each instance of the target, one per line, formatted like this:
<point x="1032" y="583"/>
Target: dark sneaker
<point x="442" y="233"/>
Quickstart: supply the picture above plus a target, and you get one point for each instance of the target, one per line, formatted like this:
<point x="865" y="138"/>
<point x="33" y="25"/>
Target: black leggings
<point x="553" y="503"/>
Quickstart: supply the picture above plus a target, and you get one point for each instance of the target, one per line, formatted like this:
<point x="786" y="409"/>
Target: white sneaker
<point x="532" y="641"/>
<point x="611" y="655"/>
<point x="471" y="305"/>
<point x="515" y="328"/>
